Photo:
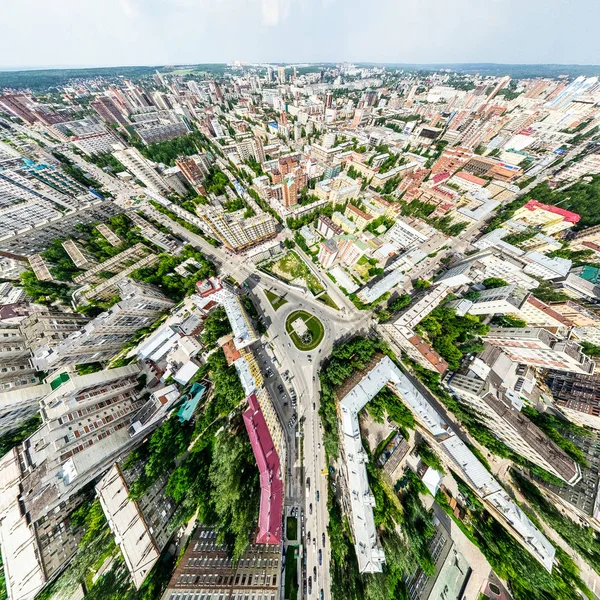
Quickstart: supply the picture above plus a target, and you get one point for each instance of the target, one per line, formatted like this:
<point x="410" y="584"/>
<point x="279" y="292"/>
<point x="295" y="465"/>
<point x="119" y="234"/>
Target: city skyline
<point x="145" y="32"/>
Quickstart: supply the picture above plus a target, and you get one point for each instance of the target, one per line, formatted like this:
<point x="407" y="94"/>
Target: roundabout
<point x="305" y="330"/>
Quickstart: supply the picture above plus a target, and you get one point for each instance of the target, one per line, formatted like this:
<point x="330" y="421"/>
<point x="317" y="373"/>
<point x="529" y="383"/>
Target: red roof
<point x="271" y="483"/>
<point x="569" y="216"/>
<point x="440" y="177"/>
<point x="429" y="354"/>
<point x="472" y="178"/>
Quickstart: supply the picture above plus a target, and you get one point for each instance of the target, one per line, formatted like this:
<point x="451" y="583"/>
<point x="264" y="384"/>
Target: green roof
<point x="58" y="381"/>
<point x="591" y="274"/>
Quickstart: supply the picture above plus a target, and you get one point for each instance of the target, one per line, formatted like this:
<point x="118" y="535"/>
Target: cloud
<point x="275" y="12"/>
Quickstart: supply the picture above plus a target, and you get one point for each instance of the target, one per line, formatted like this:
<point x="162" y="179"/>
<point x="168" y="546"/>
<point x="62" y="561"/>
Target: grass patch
<point x="327" y="299"/>
<point x="291" y="529"/>
<point x="290" y="267"/>
<point x="291" y="576"/>
<point x="275" y="300"/>
<point x="315" y="327"/>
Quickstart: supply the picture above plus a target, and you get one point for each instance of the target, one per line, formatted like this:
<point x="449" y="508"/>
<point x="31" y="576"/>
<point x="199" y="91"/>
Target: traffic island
<point x="305" y="330"/>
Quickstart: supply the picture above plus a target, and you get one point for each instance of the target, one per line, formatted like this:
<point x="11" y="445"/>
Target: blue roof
<point x="189" y="406"/>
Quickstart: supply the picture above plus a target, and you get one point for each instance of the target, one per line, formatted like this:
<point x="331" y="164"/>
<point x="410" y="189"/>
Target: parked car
<point x="320" y="557"/>
<point x="323" y="540"/>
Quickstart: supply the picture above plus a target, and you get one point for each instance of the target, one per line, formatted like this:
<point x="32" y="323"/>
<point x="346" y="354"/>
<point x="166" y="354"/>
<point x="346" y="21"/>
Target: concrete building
<point x="104" y="336"/>
<point x="327" y="228"/>
<point x="80" y="257"/>
<point x="207" y="570"/>
<point x="540" y="348"/>
<point x="360" y="389"/>
<point x="234" y="230"/>
<point x="452" y="571"/>
<point x="85" y="429"/>
<point x="193" y="172"/>
<point x="499" y="410"/>
<point x="158" y="125"/>
<point x="337" y="190"/>
<point x="133" y="161"/>
<point x="550" y="219"/>
<point x="29" y="227"/>
<point x="49" y="328"/>
<point x="577" y="396"/>
<point x="328" y="251"/>
<point x="140" y="527"/>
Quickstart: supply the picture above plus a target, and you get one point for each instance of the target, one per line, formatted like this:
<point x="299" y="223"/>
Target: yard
<point x="275" y="300"/>
<point x="291" y="268"/>
<point x="291" y="574"/>
<point x="291" y="529"/>
<point x="313" y="328"/>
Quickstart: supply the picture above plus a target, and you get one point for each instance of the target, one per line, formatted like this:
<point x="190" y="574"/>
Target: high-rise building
<point x="577" y="396"/>
<point x="329" y="99"/>
<point x="86" y="428"/>
<point x="192" y="171"/>
<point x="207" y="570"/>
<point x="104" y="336"/>
<point x="235" y="231"/>
<point x="132" y="159"/>
<point x="540" y="348"/>
<point x="49" y="328"/>
<point x="108" y="110"/>
<point x="499" y="410"/>
<point x="281" y="74"/>
<point x="269" y="74"/>
<point x="140" y="526"/>
<point x="328" y="251"/>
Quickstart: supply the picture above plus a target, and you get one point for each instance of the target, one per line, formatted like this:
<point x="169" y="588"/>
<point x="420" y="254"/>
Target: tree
<point x="494" y="282"/>
<point x="234" y="478"/>
<point x="421" y="284"/>
<point x="400" y="302"/>
<point x="289" y="244"/>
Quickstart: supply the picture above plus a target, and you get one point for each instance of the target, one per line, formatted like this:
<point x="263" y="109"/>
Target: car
<point x="313" y="378"/>
<point x="310" y="509"/>
<point x="320" y="557"/>
<point x="315" y="572"/>
<point x="317" y="495"/>
<point x="323" y="540"/>
<point x="321" y="595"/>
<point x="308" y="537"/>
<point x="310" y="585"/>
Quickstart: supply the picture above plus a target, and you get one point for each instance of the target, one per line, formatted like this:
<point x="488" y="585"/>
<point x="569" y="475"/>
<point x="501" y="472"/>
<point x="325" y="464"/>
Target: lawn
<point x="291" y="529"/>
<point x="326" y="299"/>
<point x="275" y="300"/>
<point x="315" y="327"/>
<point x="290" y="267"/>
<point x="291" y="574"/>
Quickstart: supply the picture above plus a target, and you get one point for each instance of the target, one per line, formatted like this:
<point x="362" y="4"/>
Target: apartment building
<point x="30" y="226"/>
<point x="102" y="337"/>
<point x="207" y="570"/>
<point x="50" y="327"/>
<point x="86" y="428"/>
<point x="499" y="410"/>
<point x="328" y="251"/>
<point x="327" y="228"/>
<point x="81" y="258"/>
<point x="141" y="526"/>
<point x="337" y="190"/>
<point x="142" y="169"/>
<point x="193" y="171"/>
<point x="357" y="216"/>
<point x="539" y="348"/>
<point x="577" y="396"/>
<point x="236" y="232"/>
<point x="550" y="219"/>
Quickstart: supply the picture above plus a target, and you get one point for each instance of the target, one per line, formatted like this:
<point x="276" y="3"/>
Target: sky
<point x="70" y="33"/>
